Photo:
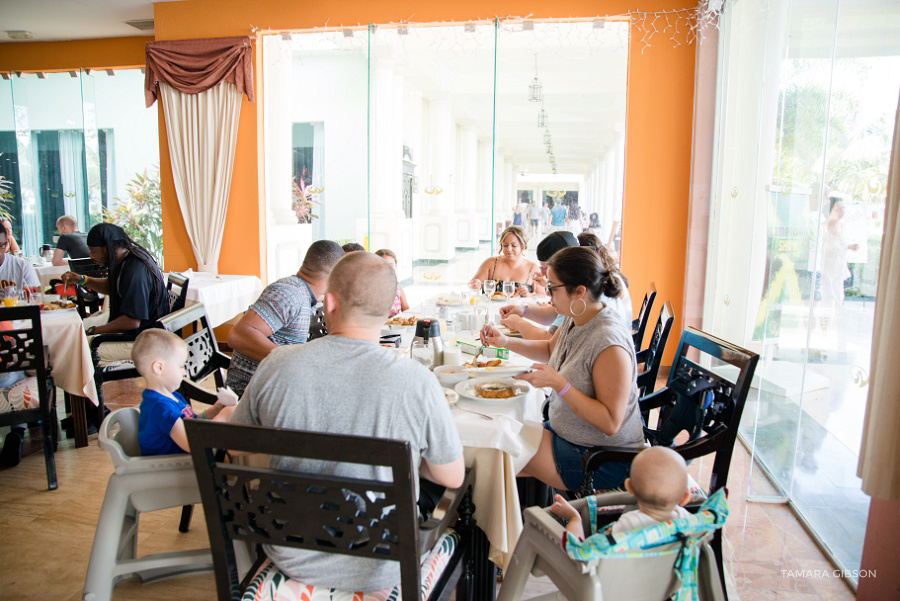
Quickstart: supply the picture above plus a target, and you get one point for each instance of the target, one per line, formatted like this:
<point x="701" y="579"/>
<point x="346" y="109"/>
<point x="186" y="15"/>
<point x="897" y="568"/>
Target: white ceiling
<point x="73" y="19"/>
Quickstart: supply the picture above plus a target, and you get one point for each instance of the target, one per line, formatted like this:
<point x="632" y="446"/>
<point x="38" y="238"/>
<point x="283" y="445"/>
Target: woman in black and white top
<point x="590" y="365"/>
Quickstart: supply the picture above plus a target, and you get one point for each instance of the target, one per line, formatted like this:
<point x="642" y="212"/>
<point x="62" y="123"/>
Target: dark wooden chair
<point x="177" y="289"/>
<point x="317" y="327"/>
<point x="87" y="301"/>
<point x="704" y="397"/>
<point x="21" y="348"/>
<point x="362" y="517"/>
<point x="650" y="358"/>
<point x="204" y="360"/>
<point x="639" y="324"/>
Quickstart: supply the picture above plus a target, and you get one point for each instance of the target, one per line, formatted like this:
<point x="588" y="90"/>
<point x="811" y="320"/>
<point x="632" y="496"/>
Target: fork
<point x="456" y="406"/>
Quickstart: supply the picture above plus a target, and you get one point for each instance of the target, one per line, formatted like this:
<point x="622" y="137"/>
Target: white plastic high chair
<point x="649" y="577"/>
<point x="139" y="484"/>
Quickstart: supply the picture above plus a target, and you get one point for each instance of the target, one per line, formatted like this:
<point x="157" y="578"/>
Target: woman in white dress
<point x="834" y="256"/>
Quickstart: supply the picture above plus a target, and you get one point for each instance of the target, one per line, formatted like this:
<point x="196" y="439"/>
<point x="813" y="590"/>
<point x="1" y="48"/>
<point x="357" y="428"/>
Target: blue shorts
<point x="567" y="458"/>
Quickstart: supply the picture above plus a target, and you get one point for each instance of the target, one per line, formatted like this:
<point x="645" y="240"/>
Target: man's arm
<point x="450" y="474"/>
<point x="59" y="257"/>
<point x="250" y="336"/>
<point x="122" y="323"/>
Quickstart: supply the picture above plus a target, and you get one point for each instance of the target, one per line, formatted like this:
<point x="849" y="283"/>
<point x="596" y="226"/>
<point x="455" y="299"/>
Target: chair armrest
<point x="444" y="514"/>
<point x="193" y="392"/>
<point x="593" y="458"/>
<point x="656" y="399"/>
<point x="641" y="356"/>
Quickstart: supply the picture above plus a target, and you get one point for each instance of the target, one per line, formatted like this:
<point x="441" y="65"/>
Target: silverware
<point x="478" y="354"/>
<point x="455" y="405"/>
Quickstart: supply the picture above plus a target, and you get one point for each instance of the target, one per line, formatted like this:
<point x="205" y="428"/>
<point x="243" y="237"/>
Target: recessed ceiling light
<point x="19" y="35"/>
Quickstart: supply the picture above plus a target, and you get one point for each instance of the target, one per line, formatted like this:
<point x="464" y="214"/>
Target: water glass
<point x="10" y="296"/>
<point x="490" y="287"/>
<point x="509" y="290"/>
<point x="422" y="353"/>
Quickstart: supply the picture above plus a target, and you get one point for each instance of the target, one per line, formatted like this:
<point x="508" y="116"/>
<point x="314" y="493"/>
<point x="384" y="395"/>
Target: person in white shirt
<point x="658" y="481"/>
<point x="15" y="271"/>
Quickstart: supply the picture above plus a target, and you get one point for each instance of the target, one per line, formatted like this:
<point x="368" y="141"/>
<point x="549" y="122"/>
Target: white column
<point x="434" y="220"/>
<point x="483" y="199"/>
<point x="466" y="226"/>
<point x="286" y="240"/>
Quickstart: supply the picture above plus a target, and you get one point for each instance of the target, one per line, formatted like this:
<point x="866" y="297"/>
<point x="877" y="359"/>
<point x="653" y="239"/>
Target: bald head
<point x="659" y="478"/>
<point x="364" y="286"/>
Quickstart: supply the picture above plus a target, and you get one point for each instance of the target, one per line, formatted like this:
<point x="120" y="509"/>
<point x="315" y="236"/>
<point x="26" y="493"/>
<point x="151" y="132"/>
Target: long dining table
<point x="497" y="449"/>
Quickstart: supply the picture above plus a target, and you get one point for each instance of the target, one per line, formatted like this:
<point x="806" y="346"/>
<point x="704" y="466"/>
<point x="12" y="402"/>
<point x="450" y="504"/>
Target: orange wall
<point x="60" y="56"/>
<point x="658" y="122"/>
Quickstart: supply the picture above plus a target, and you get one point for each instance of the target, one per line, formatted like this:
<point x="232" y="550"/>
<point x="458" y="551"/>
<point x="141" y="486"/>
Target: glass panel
<point x="430" y="136"/>
<point x="315" y="124"/>
<point x="58" y="139"/>
<point x="560" y="127"/>
<point x="122" y="155"/>
<point x="49" y="124"/>
<point x="804" y="123"/>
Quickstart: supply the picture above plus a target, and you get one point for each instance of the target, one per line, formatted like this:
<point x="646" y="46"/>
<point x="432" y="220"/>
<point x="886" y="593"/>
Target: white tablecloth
<point x="498" y="450"/>
<point x="70" y="354"/>
<point x="50" y="272"/>
<point x="224" y="296"/>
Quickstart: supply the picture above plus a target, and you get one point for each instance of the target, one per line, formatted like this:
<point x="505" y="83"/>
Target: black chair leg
<point x="716" y="545"/>
<point x="186" y="512"/>
<point x="47" y="423"/>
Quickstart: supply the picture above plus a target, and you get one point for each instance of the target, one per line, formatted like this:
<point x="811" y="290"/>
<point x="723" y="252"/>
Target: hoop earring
<point x="583" y="304"/>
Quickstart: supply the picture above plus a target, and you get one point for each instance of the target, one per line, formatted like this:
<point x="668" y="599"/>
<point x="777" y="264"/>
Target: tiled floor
<point x="48" y="535"/>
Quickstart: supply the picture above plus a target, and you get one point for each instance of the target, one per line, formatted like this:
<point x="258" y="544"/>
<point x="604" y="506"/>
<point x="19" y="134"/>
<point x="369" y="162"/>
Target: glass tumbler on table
<point x="10" y="296"/>
<point x="421" y="352"/>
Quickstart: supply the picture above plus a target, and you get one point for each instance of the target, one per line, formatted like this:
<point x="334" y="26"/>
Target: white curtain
<point x="71" y="147"/>
<point x="879" y="456"/>
<point x="202" y="130"/>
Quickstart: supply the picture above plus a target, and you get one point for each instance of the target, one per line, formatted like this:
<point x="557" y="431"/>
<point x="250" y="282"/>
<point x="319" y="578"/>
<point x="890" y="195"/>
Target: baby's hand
<point x="564" y="509"/>
<point x="226" y="397"/>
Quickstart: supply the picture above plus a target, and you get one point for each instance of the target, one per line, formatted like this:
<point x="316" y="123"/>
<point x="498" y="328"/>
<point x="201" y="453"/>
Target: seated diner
<point x="590" y="365"/>
<point x="510" y="266"/>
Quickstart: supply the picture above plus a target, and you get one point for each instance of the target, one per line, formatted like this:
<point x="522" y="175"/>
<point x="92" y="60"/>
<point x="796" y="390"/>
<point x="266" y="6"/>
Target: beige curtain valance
<point x="195" y="66"/>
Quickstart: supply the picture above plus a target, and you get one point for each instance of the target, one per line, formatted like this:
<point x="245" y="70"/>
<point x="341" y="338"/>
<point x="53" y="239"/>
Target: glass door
<point x="805" y="110"/>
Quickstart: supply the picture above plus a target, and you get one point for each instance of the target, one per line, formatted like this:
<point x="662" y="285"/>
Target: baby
<point x="658" y="481"/>
<point x="159" y="357"/>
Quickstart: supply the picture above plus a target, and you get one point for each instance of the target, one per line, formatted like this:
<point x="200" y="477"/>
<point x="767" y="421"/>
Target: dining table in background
<point x="224" y="296"/>
<point x="69" y="355"/>
<point x="48" y="271"/>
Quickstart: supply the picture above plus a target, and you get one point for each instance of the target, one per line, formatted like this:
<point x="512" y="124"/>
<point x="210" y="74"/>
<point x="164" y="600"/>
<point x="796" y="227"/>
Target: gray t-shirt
<point x="573" y="356"/>
<point x="286" y="306"/>
<point x="348" y="386"/>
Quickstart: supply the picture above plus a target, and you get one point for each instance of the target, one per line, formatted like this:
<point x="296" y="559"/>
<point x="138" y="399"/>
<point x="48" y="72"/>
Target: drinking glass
<point x="422" y="353"/>
<point x="490" y="287"/>
<point x="10" y="296"/>
<point x="509" y="290"/>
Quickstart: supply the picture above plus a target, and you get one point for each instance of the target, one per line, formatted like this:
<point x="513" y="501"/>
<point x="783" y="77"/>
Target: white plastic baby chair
<point x="645" y="578"/>
<point x="139" y="484"/>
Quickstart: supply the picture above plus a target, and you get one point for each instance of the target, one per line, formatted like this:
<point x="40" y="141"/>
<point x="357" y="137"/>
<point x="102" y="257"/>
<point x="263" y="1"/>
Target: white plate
<point x="507" y="332"/>
<point x="467" y="389"/>
<point x="452" y="395"/>
<point x="449" y="301"/>
<point x="501" y="299"/>
<point x="504" y="370"/>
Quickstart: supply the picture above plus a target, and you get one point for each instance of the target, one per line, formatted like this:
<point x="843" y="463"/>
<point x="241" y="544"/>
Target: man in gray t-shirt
<point x="281" y="315"/>
<point x="347" y="383"/>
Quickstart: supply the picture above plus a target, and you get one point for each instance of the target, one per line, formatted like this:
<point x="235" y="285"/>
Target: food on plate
<point x="513" y="332"/>
<point x="58" y="305"/>
<point x="494" y="390"/>
<point x="491" y="363"/>
<point x="402" y="321"/>
<point x="498" y="296"/>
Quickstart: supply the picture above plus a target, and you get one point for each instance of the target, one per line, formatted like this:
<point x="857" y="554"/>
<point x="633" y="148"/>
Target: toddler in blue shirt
<point x="160" y="357"/>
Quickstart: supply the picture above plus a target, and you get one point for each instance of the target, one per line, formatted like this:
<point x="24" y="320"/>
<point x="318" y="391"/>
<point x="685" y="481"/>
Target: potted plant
<point x="140" y="215"/>
<point x="302" y="200"/>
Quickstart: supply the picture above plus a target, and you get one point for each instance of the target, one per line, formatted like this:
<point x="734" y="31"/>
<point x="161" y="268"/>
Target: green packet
<point x="491" y="352"/>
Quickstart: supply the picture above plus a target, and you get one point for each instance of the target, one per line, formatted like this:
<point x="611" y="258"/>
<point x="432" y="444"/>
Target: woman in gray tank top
<point x="590" y="365"/>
